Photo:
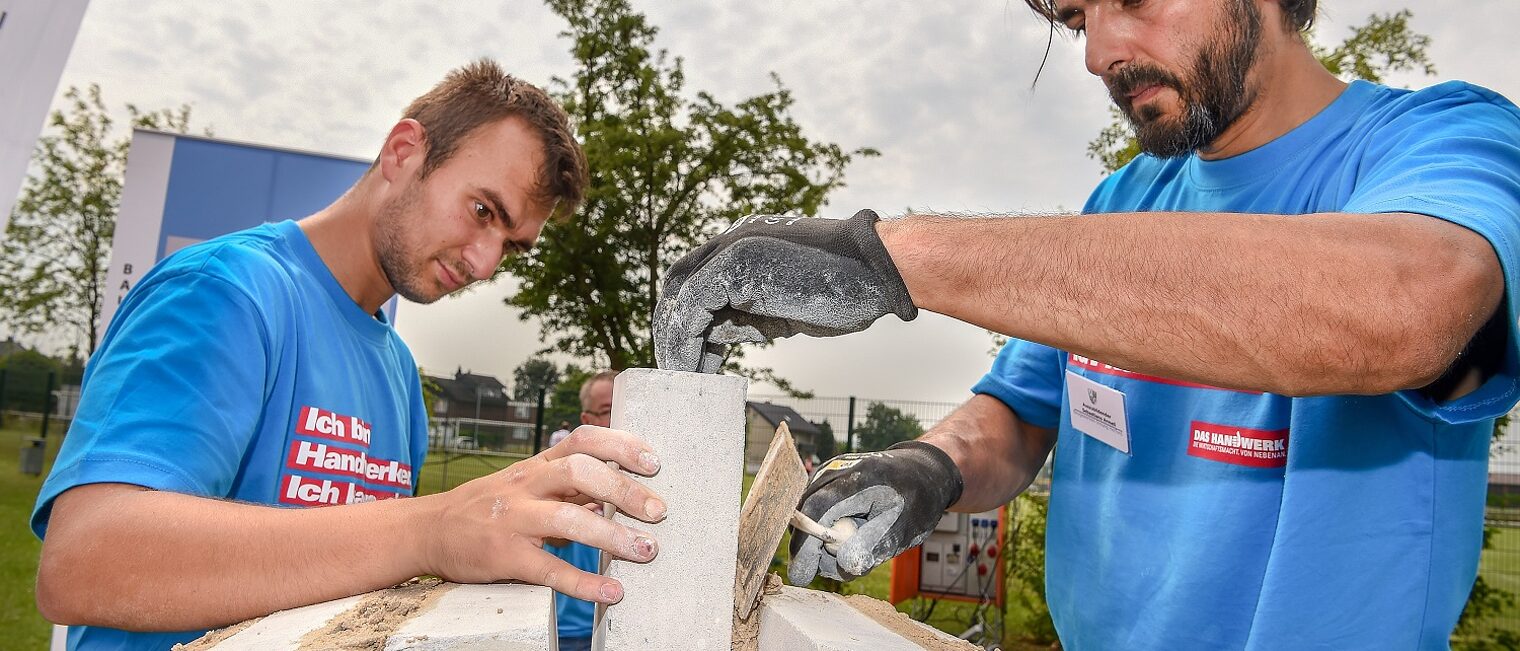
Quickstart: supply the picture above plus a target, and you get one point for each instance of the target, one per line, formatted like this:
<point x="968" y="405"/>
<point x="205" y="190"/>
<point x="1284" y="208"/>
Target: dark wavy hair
<point x="1298" y="15"/>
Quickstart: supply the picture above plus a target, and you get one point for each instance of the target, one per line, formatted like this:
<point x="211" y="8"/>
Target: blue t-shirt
<point x="239" y="369"/>
<point x="573" y="617"/>
<point x="1245" y="520"/>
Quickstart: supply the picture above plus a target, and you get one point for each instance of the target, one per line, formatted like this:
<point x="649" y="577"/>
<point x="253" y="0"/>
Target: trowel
<point x="770" y="506"/>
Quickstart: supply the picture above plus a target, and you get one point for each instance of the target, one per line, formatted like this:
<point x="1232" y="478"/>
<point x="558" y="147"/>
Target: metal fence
<point x="1495" y="595"/>
<point x="854" y="420"/>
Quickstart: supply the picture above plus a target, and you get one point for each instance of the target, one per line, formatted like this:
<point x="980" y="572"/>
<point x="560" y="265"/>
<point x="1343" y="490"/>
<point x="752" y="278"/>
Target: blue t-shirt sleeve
<point x="172" y="399"/>
<point x="1027" y="377"/>
<point x="1457" y="158"/>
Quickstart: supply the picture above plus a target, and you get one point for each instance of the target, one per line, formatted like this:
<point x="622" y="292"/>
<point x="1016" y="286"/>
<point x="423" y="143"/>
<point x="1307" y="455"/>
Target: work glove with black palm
<point x="771" y="276"/>
<point x="896" y="497"/>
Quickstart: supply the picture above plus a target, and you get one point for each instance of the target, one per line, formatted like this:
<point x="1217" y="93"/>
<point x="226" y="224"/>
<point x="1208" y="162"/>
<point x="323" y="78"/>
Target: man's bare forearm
<point x="998" y="454"/>
<point x="206" y="563"/>
<point x="1308" y="304"/>
<point x="126" y="557"/>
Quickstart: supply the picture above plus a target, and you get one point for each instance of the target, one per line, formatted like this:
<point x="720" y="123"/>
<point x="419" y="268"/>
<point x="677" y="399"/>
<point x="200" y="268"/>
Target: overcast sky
<point x="942" y="89"/>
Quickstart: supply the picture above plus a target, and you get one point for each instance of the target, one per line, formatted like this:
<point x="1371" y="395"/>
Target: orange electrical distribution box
<point x="961" y="560"/>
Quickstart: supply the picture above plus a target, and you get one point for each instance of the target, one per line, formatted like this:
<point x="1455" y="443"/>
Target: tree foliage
<point x="533" y="375"/>
<point x="1486" y="600"/>
<point x="565" y="400"/>
<point x="1030" y="622"/>
<point x="669" y="168"/>
<point x="1383" y="45"/>
<point x="824" y="444"/>
<point x="885" y="425"/>
<point x="26" y="378"/>
<point x="58" y="241"/>
<point x="430" y="391"/>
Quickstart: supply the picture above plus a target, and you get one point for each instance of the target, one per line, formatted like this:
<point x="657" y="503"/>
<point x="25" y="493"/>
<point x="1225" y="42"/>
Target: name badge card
<point x="1097" y="411"/>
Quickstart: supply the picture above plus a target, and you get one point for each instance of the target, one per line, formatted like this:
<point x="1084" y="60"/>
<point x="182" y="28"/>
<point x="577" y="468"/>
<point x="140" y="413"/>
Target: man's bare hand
<point x="493" y="528"/>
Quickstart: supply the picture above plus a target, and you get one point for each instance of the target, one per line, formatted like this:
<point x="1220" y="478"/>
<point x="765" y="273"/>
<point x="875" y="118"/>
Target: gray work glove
<point x="771" y="276"/>
<point x="896" y="498"/>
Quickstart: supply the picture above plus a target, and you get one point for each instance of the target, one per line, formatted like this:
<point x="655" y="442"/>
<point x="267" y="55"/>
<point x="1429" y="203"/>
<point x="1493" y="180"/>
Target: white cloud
<point x="942" y="89"/>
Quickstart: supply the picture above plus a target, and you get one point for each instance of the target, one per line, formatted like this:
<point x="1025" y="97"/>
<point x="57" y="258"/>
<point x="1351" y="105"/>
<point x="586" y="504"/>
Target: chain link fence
<point x="865" y="424"/>
<point x="1492" y="607"/>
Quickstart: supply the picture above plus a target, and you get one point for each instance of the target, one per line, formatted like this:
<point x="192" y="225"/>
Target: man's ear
<point x="404" y="150"/>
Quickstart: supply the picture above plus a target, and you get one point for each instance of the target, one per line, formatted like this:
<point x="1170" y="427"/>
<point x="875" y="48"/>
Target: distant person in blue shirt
<point x="1268" y="356"/>
<point x="255" y="371"/>
<point x="574" y="617"/>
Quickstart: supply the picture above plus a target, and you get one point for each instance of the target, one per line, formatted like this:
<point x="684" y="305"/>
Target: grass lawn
<point x="20" y="625"/>
<point x="1500" y="568"/>
<point x="443" y="471"/>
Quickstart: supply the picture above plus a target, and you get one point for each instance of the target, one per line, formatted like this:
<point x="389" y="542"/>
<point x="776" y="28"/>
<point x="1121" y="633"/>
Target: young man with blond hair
<point x="255" y="371"/>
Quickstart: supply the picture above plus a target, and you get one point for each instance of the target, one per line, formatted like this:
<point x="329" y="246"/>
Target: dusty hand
<point x="773" y="276"/>
<point x="493" y="528"/>
<point x="895" y="497"/>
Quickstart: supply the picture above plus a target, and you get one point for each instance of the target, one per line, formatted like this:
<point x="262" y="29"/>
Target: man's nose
<point x="482" y="256"/>
<point x="1110" y="38"/>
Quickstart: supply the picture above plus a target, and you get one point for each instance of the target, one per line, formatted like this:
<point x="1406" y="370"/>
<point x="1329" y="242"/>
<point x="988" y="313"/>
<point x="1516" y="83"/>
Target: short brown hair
<point x="481" y="93"/>
<point x="1298" y="15"/>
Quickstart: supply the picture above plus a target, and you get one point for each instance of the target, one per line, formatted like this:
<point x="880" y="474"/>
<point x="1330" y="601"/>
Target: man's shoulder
<point x="1441" y="102"/>
<point x="253" y="260"/>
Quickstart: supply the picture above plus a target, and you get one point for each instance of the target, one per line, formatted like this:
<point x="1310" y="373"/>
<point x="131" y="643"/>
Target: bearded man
<point x="1268" y="355"/>
<point x="255" y="370"/>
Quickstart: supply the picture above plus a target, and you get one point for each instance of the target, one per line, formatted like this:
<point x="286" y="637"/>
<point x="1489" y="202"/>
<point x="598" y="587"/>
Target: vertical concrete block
<point x="684" y="598"/>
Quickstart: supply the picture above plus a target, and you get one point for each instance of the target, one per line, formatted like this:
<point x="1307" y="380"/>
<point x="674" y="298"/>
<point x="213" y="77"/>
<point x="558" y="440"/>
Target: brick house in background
<point x="474" y="411"/>
<point x="457" y="399"/>
<point x="761" y="421"/>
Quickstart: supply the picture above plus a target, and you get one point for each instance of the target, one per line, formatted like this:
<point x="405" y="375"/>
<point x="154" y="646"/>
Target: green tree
<point x="430" y="391"/>
<point x="669" y="168"/>
<point x="58" y="240"/>
<point x="26" y="373"/>
<point x="824" y="443"/>
<point x="884" y="426"/>
<point x="533" y="375"/>
<point x="1024" y="558"/>
<point x="1385" y="44"/>
<point x="565" y="400"/>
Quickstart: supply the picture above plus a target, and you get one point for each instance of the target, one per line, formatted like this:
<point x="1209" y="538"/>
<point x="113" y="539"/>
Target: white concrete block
<point x="798" y="619"/>
<point x="683" y="599"/>
<point x="498" y="617"/>
<point x="511" y="617"/>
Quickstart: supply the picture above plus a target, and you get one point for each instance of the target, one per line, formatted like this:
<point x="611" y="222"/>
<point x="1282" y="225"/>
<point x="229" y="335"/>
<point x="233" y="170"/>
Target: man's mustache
<point x="1123" y="83"/>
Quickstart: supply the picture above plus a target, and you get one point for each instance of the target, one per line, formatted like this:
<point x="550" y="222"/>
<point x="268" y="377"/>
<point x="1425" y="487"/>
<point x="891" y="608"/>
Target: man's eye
<point x="482" y="212"/>
<point x="1073" y="21"/>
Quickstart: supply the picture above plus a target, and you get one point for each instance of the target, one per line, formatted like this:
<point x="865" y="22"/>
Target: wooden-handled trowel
<point x="767" y="510"/>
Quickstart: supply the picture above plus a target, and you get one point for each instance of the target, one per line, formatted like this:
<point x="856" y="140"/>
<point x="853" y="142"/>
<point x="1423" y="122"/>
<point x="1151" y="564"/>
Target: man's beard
<point x="395" y="253"/>
<point x="1214" y="94"/>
